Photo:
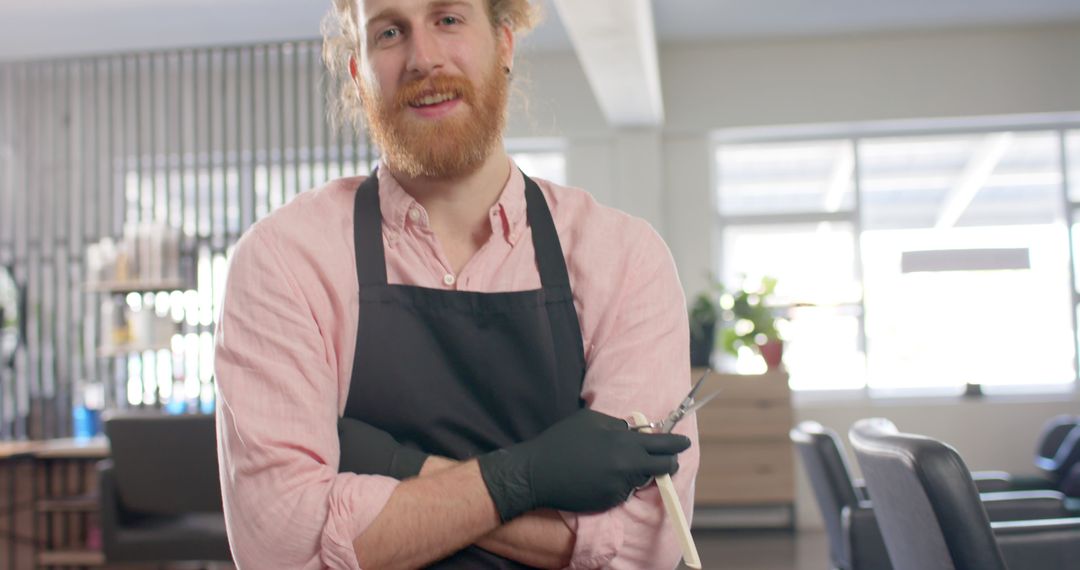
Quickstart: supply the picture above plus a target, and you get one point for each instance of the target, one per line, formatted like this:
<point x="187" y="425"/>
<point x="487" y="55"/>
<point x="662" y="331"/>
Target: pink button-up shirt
<point x="284" y="356"/>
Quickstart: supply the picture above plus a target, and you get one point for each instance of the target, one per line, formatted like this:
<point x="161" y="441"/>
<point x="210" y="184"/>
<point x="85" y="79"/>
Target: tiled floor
<point x="762" y="550"/>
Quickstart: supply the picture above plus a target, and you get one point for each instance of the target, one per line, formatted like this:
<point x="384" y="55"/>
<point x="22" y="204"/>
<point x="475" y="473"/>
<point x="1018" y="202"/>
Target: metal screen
<point x="205" y="141"/>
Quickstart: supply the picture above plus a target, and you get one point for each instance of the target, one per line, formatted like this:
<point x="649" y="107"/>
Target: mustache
<point x="459" y="87"/>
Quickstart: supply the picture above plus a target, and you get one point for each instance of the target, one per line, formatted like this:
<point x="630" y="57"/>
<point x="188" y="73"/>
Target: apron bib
<point x="458" y="373"/>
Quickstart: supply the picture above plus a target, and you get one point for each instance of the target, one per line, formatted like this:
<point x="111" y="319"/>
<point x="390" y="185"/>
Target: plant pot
<point x="701" y="346"/>
<point x="773" y="353"/>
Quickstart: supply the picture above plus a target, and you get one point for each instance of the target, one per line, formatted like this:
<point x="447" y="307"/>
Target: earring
<point x="506" y="69"/>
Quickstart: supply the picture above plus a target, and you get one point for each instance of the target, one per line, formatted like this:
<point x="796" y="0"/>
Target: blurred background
<point x="903" y="178"/>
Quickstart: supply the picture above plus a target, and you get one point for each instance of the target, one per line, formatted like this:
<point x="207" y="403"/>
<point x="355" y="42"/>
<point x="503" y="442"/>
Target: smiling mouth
<point x="433" y="99"/>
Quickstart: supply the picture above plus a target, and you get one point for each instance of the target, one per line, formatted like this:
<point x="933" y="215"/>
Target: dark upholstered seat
<point x="160" y="495"/>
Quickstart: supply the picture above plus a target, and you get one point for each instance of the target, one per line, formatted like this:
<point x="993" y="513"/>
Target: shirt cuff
<point x="358" y="500"/>
<point x="598" y="537"/>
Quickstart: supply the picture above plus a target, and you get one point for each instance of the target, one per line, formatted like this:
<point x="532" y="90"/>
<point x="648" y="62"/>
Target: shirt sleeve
<point x="639" y="360"/>
<point x="286" y="506"/>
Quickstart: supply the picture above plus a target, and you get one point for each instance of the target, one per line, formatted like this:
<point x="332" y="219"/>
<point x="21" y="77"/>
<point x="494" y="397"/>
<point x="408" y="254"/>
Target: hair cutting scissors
<point x="688" y="406"/>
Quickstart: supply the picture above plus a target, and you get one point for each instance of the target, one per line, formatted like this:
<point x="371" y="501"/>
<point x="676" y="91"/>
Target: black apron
<point x="458" y="373"/>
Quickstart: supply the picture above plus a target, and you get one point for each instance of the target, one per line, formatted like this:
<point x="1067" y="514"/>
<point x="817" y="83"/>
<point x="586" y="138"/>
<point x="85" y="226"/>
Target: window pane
<point x="821" y="348"/>
<point x="1073" y="145"/>
<point x="815" y="269"/>
<point x="813" y="263"/>
<point x="986" y="179"/>
<point x="815" y="176"/>
<point x="1076" y="247"/>
<point x="550" y="166"/>
<point x="974" y="204"/>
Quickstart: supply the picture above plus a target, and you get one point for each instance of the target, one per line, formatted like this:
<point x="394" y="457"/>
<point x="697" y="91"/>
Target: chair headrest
<point x="924" y="499"/>
<point x="164" y="463"/>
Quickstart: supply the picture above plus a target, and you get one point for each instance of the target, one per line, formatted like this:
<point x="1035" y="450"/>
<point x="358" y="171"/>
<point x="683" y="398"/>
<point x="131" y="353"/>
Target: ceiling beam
<point x="615" y="41"/>
<point x="977" y="172"/>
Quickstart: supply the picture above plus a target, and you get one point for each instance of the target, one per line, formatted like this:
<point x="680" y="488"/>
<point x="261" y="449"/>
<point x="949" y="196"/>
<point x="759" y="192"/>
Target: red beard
<point x="449" y="147"/>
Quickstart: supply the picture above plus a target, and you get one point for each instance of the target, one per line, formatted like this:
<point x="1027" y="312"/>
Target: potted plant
<point x="751" y="322"/>
<point x="704" y="313"/>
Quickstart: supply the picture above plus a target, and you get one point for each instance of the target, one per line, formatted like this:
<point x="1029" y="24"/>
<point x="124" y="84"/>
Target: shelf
<point x="73" y="448"/>
<point x="71" y="558"/>
<point x="111" y="351"/>
<point x="138" y="286"/>
<point x="79" y="504"/>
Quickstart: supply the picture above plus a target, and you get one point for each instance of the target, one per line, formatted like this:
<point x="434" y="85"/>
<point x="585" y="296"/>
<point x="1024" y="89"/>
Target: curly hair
<point x="341" y="41"/>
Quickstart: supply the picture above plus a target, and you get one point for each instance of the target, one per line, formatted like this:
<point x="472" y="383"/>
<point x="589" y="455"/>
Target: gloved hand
<point x="587" y="462"/>
<point x="368" y="450"/>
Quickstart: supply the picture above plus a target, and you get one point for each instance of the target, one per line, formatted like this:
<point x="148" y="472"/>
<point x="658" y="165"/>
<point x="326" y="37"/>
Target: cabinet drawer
<point x="745" y="473"/>
<point x="760" y="418"/>
<point x="770" y="385"/>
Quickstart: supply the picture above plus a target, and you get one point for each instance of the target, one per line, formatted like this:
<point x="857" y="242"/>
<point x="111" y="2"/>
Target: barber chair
<point x="931" y="516"/>
<point x="854" y="538"/>
<point x="1061" y="456"/>
<point x="160" y="494"/>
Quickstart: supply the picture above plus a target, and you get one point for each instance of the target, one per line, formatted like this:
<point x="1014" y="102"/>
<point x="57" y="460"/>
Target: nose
<point x="426" y="55"/>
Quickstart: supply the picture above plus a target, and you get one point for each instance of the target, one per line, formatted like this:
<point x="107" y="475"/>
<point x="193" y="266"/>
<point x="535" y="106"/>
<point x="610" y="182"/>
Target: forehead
<point x="372" y="9"/>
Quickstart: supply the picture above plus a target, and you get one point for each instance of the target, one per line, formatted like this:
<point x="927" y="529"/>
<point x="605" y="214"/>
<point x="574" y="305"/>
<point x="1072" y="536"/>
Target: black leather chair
<point x="1062" y="453"/>
<point x="930" y="514"/>
<point x="160" y="493"/>
<point x="854" y="539"/>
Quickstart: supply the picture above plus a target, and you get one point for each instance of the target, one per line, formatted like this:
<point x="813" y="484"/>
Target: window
<point x="542" y="157"/>
<point x="947" y="261"/>
<point x="787" y="211"/>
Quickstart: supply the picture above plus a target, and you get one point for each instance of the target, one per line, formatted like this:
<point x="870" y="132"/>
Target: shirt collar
<point x="395" y="204"/>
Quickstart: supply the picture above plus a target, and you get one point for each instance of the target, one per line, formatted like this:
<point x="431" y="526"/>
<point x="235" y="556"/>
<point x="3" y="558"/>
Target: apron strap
<point x="549" y="252"/>
<point x="367" y="233"/>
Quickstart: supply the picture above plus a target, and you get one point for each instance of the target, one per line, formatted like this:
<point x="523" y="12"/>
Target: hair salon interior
<point x="872" y="206"/>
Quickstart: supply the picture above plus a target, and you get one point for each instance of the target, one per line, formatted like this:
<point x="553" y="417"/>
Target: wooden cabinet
<point x="746" y="457"/>
<point x="51" y="504"/>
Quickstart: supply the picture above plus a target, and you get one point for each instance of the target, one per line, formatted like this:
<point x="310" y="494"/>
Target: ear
<point x="354" y="72"/>
<point x="505" y="39"/>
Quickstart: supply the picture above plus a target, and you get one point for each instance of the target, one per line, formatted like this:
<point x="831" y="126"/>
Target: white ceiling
<point x="45" y="28"/>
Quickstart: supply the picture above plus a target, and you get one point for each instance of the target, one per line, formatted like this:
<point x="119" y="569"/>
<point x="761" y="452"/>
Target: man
<point x="481" y="334"/>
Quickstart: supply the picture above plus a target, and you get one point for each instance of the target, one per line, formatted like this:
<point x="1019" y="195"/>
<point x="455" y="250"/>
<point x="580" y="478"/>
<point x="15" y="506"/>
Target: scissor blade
<point x="670" y="424"/>
<point x="701" y="402"/>
<point x="697" y="386"/>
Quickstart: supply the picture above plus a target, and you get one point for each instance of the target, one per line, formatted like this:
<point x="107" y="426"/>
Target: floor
<point x="762" y="550"/>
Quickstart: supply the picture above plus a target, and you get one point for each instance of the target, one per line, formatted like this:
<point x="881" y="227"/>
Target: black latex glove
<point x="368" y="450"/>
<point x="587" y="462"/>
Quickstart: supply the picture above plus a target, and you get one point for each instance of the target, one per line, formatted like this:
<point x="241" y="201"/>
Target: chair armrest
<point x="860" y="489"/>
<point x="864" y="547"/>
<point x="110" y="506"/>
<point x="1025" y="505"/>
<point x="1036" y="545"/>
<point x="992" y="481"/>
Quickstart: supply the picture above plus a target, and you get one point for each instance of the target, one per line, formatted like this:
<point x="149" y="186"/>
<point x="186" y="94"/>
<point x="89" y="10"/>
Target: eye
<point x="449" y="20"/>
<point x="388" y="34"/>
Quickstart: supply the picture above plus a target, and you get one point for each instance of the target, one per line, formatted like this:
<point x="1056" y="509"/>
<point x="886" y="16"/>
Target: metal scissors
<point x="688" y="406"/>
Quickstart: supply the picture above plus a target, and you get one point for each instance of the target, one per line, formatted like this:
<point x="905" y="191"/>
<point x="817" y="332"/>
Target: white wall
<point x="665" y="176"/>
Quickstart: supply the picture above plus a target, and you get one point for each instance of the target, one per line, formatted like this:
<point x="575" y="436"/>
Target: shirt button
<point x="448" y="279"/>
<point x="414" y="214"/>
